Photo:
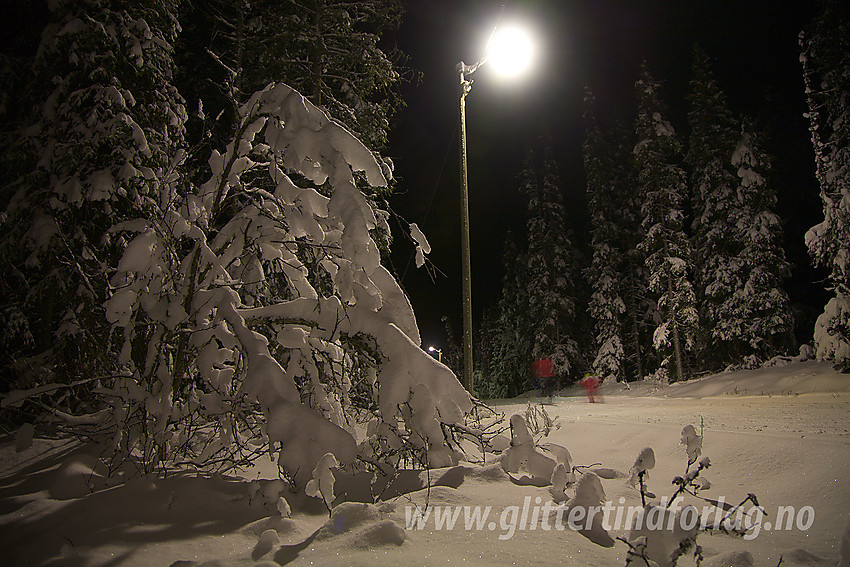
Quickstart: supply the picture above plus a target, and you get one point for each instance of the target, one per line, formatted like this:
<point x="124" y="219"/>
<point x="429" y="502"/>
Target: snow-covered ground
<point x="781" y="433"/>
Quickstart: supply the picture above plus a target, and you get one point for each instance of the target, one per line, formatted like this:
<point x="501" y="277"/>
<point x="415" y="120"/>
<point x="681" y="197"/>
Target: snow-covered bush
<point x="667" y="529"/>
<point x="258" y="291"/>
<point x="640" y="471"/>
<point x="546" y="464"/>
<point x="588" y="494"/>
<point x="692" y="443"/>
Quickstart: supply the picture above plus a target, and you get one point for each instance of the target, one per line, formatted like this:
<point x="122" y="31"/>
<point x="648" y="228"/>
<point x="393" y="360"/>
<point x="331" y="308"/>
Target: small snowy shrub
<point x="524" y="456"/>
<point x="540" y="461"/>
<point x="589" y="494"/>
<point x="322" y="483"/>
<point x="640" y="471"/>
<point x="692" y="443"/>
<point x="538" y="420"/>
<point x="667" y="529"/>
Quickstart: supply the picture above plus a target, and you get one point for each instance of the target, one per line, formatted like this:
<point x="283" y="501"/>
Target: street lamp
<point x="438" y="351"/>
<point x="510" y="51"/>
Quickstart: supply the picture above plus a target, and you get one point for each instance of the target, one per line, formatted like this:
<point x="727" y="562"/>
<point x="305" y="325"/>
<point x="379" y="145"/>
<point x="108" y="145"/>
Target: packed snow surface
<point x="781" y="433"/>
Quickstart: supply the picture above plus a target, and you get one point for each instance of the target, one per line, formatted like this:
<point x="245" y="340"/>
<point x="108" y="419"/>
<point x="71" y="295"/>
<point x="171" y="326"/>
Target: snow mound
<point x="77" y="477"/>
<point x="268" y="541"/>
<point x="279" y="525"/>
<point x="23" y="437"/>
<point x="732" y="559"/>
<point x="364" y="526"/>
<point x="800" y="556"/>
<point x="386" y="532"/>
<point x="664" y="545"/>
<point x="791" y="379"/>
<point x="488" y="473"/>
<point x="348" y="516"/>
<point x="440" y="495"/>
<point x="589" y="494"/>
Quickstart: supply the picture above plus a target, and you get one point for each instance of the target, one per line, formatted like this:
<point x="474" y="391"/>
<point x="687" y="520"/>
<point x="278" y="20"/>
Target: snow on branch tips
<point x="422" y="246"/>
<point x="260" y="290"/>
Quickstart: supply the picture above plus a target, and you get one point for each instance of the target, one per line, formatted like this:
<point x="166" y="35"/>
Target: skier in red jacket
<point x="544" y="373"/>
<point x="591" y="385"/>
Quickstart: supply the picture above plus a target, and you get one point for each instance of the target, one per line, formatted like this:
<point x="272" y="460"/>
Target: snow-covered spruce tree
<point x="826" y="72"/>
<point x="739" y="263"/>
<point x="663" y="185"/>
<point x="482" y="348"/>
<point x="508" y="373"/>
<point x="106" y="129"/>
<point x="640" y="315"/>
<point x="313" y="363"/>
<point x="718" y="276"/>
<point x="607" y="307"/>
<point x="549" y="263"/>
<point x="762" y="304"/>
<point x="11" y="71"/>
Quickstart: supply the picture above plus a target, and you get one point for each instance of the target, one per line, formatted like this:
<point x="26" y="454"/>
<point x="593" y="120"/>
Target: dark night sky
<point x="601" y="42"/>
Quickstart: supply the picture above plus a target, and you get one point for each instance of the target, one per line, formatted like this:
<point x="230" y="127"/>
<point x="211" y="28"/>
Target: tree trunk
<point x="638" y="357"/>
<point x="677" y="343"/>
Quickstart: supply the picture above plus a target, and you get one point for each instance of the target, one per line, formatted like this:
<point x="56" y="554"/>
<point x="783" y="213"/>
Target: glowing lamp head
<point x="511" y="51"/>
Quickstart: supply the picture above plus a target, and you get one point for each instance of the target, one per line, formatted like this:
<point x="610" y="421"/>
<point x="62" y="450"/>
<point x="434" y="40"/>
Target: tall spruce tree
<point x="640" y="314"/>
<point x="452" y="351"/>
<point x="826" y="71"/>
<point x="508" y="373"/>
<point x="718" y="277"/>
<point x="663" y="185"/>
<point x="550" y="261"/>
<point x="607" y="306"/>
<point x="107" y="128"/>
<point x="762" y="305"/>
<point x="739" y="264"/>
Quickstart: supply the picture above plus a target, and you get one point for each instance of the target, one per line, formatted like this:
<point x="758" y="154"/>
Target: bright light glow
<point x="511" y="52"/>
<point x="432" y="349"/>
